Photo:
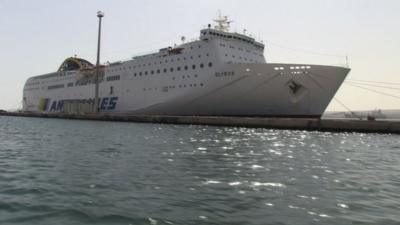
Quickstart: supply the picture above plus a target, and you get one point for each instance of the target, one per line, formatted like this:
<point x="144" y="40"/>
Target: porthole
<point x="210" y="64"/>
<point x="201" y="65"/>
<point x="193" y="66"/>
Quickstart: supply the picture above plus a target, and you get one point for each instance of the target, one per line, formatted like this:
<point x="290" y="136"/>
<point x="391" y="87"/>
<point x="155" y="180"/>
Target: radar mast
<point x="223" y="23"/>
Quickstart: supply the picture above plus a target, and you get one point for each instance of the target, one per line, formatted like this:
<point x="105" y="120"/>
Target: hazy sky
<point x="36" y="36"/>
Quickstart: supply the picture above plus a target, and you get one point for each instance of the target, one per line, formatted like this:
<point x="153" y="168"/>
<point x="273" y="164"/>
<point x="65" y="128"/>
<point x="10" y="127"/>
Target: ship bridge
<point x="221" y="31"/>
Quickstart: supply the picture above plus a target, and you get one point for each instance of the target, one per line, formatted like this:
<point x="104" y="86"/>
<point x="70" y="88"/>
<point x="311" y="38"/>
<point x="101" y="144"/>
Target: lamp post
<point x="100" y="15"/>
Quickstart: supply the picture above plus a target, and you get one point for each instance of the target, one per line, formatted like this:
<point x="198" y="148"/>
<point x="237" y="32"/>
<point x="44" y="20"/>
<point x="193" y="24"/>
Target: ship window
<point x="199" y="56"/>
<point x="140" y="74"/>
<point x="186" y="67"/>
<point x="158" y="71"/>
<point x="172" y="69"/>
<point x="165" y="70"/>
<point x="152" y="72"/>
<point x="193" y="66"/>
<point x="179" y="68"/>
<point x="135" y="74"/>
<point x="201" y="65"/>
<point x="210" y="64"/>
<point x="111" y="90"/>
<point x="55" y="86"/>
<point x="145" y="73"/>
<point x="201" y="84"/>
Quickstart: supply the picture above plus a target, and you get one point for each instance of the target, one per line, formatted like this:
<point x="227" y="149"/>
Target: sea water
<point x="55" y="171"/>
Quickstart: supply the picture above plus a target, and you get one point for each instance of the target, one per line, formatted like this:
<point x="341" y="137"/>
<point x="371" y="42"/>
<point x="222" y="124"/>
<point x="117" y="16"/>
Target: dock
<point x="329" y="125"/>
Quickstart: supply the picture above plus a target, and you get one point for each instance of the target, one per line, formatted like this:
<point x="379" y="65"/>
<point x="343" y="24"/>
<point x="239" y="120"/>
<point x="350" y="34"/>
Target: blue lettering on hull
<point x="106" y="104"/>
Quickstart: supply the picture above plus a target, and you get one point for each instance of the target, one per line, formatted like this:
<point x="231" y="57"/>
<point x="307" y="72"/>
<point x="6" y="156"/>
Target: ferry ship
<point x="222" y="73"/>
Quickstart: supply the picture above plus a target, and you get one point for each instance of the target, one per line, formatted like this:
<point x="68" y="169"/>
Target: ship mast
<point x="223" y="24"/>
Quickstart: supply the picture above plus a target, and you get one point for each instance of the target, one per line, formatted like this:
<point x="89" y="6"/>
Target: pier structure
<point x="330" y="125"/>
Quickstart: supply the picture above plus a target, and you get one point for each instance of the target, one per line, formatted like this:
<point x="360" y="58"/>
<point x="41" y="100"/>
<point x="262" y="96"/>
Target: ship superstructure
<point x="221" y="74"/>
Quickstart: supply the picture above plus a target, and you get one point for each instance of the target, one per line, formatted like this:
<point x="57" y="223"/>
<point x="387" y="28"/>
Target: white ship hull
<point x="232" y="90"/>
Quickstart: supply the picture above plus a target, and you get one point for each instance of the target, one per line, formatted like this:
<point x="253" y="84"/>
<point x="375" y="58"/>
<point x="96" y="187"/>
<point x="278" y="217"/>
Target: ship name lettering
<point x="224" y="73"/>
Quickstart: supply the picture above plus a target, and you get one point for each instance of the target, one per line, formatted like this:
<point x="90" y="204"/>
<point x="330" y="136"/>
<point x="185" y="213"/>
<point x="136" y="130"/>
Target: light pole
<point x="100" y="15"/>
